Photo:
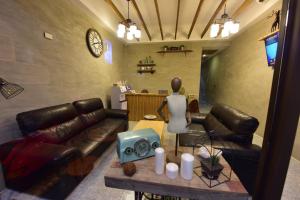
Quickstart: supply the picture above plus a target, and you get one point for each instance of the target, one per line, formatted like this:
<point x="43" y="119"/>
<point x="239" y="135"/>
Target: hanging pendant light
<point x="128" y="28"/>
<point x="226" y="23"/>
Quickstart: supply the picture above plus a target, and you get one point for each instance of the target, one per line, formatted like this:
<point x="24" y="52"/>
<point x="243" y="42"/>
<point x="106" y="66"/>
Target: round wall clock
<point x="94" y="42"/>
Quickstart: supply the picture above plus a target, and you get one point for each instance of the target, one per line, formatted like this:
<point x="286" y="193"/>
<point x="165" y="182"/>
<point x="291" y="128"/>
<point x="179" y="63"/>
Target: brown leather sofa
<point x="59" y="147"/>
<point x="231" y="131"/>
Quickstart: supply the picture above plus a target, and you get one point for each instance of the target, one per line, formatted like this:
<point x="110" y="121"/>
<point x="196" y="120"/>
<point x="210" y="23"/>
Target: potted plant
<point x="210" y="165"/>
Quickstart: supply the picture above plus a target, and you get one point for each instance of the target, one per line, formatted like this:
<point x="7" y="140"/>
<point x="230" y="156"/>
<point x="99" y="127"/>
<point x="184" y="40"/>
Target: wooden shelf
<point x="146" y="71"/>
<point x="268" y="35"/>
<point x="175" y="51"/>
<point x="146" y="65"/>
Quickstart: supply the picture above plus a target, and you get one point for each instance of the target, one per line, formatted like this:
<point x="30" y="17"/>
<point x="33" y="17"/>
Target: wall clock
<point x="94" y="42"/>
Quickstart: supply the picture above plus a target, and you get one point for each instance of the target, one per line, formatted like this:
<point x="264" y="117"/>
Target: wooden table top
<point x="146" y="180"/>
<point x="157" y="126"/>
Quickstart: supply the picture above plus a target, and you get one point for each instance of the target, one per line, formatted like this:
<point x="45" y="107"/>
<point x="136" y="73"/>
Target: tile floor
<point x="93" y="188"/>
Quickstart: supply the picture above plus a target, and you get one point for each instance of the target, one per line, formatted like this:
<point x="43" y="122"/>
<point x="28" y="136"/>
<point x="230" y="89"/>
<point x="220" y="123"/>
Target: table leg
<point x="138" y="195"/>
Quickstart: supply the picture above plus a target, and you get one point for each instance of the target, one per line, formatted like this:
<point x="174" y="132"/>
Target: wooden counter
<point x="141" y="104"/>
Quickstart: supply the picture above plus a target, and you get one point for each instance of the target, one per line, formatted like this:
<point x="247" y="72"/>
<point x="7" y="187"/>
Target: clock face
<point x="94" y="42"/>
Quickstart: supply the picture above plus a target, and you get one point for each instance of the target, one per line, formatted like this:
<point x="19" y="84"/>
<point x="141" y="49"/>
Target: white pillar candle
<point x="159" y="160"/>
<point x="171" y="170"/>
<point x="186" y="166"/>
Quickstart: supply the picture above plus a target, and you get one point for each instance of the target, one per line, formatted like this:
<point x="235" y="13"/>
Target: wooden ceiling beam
<point x="213" y="17"/>
<point x="195" y="18"/>
<point x="242" y="8"/>
<point x="159" y="21"/>
<point x="177" y="18"/>
<point x="141" y="18"/>
<point x="116" y="10"/>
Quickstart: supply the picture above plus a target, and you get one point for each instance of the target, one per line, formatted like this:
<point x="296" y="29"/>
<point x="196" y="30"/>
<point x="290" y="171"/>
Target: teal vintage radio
<point x="136" y="145"/>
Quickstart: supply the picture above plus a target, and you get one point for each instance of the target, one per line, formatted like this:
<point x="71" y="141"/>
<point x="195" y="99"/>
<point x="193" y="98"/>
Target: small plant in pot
<point x="211" y="167"/>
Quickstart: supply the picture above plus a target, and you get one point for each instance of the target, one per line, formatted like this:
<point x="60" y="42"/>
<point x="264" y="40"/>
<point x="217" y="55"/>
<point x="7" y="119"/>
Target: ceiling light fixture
<point x="128" y="28"/>
<point x="225" y="25"/>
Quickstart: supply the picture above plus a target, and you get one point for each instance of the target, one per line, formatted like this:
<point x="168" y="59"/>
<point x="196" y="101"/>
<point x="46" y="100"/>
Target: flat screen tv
<point x="271" y="44"/>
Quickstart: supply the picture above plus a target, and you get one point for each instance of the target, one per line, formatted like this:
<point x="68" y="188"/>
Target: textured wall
<point x="239" y="76"/>
<point x="51" y="71"/>
<point x="168" y="66"/>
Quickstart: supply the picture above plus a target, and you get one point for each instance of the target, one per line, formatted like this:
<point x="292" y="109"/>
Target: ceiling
<point x="244" y="11"/>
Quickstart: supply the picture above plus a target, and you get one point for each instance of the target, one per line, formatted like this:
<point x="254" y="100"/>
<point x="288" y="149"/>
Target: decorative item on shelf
<point x="226" y="23"/>
<point x="129" y="169"/>
<point x="9" y="90"/>
<point x="275" y="24"/>
<point x="129" y="28"/>
<point x="173" y="49"/>
<point x="146" y="65"/>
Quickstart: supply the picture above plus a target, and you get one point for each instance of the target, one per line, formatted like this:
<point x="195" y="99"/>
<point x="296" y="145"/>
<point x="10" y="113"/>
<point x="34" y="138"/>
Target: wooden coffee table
<point x="146" y="180"/>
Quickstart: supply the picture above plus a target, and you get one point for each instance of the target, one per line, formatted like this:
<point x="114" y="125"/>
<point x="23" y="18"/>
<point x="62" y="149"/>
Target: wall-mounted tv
<point x="271" y="44"/>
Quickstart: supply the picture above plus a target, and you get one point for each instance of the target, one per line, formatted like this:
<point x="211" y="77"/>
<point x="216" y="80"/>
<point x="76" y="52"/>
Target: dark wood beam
<point x="159" y="21"/>
<point x="177" y="18"/>
<point x="116" y="10"/>
<point x="195" y="18"/>
<point x="213" y="17"/>
<point x="141" y="18"/>
<point x="242" y="8"/>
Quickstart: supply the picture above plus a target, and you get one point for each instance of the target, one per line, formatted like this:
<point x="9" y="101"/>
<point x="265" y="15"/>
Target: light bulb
<point x="235" y="28"/>
<point x="214" y="30"/>
<point x="120" y="34"/>
<point x="138" y="33"/>
<point x="228" y="25"/>
<point x="121" y="28"/>
<point x="132" y="28"/>
<point x="225" y="33"/>
<point x="129" y="36"/>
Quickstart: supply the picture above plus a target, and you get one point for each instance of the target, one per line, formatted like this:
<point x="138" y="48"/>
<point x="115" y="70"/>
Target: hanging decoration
<point x="128" y="28"/>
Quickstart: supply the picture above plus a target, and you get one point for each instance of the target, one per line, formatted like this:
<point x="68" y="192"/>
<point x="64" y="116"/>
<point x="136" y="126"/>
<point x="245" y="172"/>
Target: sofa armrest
<point x="117" y="113"/>
<point x="250" y="152"/>
<point x="198" y="118"/>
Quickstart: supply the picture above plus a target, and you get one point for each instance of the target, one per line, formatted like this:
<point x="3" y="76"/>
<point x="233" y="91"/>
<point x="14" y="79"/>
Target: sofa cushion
<point x="101" y="134"/>
<point x="59" y="133"/>
<point x="235" y="120"/>
<point x="82" y="143"/>
<point x="28" y="160"/>
<point x="34" y="120"/>
<point x="92" y="118"/>
<point x="216" y="129"/>
<point x="88" y="105"/>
